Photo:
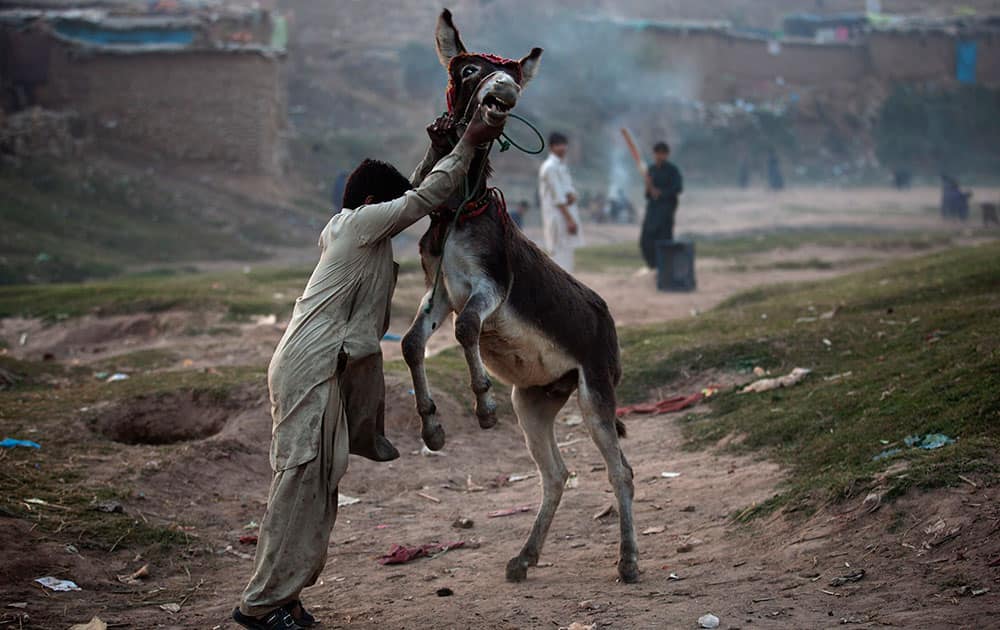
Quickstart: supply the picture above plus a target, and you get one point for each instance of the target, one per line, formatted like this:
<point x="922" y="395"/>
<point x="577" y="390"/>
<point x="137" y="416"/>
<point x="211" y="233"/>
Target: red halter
<point x="511" y="65"/>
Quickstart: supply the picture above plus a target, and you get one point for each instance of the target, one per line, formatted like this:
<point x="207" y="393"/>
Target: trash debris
<point x="17" y="605"/>
<point x="516" y="478"/>
<point x="837" y="377"/>
<point x="426" y="452"/>
<point x="399" y="554"/>
<point x="254" y="524"/>
<point x="656" y="529"/>
<point x="117" y="376"/>
<point x="431" y="498"/>
<point x="973" y="591"/>
<point x="95" y="623"/>
<point x="248" y="539"/>
<point x="172" y="607"/>
<point x="759" y="371"/>
<point x="238" y="554"/>
<point x="573" y="481"/>
<point x="667" y="405"/>
<point x="135" y="577"/>
<point x="265" y="320"/>
<point x="391" y="337"/>
<point x="343" y="499"/>
<point x="12" y="442"/>
<point x="463" y="522"/>
<point x="444" y="592"/>
<point x="55" y="584"/>
<point x="670" y="475"/>
<point x="111" y="507"/>
<point x="608" y="511"/>
<point x="889" y="452"/>
<point x="510" y="511"/>
<point x="853" y="576"/>
<point x="928" y="442"/>
<point x="708" y="621"/>
<point x="572" y="420"/>
<point x="675" y="577"/>
<point x="795" y="377"/>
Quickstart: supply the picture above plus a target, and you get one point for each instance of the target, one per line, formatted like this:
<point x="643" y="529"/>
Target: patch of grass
<point x="626" y="255"/>
<point x="149" y="359"/>
<point x="918" y="339"/>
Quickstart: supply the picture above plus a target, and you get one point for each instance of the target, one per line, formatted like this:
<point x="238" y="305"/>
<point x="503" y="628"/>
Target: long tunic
<point x="554" y="183"/>
<point x="344" y="311"/>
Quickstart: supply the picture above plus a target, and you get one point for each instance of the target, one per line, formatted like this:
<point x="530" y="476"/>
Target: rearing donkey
<point x="531" y="323"/>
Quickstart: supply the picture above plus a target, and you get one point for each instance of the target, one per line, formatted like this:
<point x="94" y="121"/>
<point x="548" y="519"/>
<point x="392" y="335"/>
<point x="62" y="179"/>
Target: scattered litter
<point x="973" y="591"/>
<point x="23" y="339"/>
<point x="255" y="524"/>
<point x="136" y="577"/>
<point x="238" y="554"/>
<point x="248" y="539"/>
<point x="463" y="522"/>
<point x="708" y="621"/>
<point x="670" y="475"/>
<point x="573" y="481"/>
<point x="658" y="529"/>
<point x="830" y="314"/>
<point x="827" y="342"/>
<point x="12" y="442"/>
<point x="172" y="607"/>
<point x="510" y="511"/>
<point x="572" y="420"/>
<point x="426" y="452"/>
<point x="391" y="337"/>
<point x="853" y="576"/>
<point x="111" y="507"/>
<point x="95" y="623"/>
<point x="667" y="405"/>
<point x="343" y="499"/>
<point x="399" y="554"/>
<point x="444" y="592"/>
<point x="795" y="377"/>
<point x="805" y="320"/>
<point x="608" y="511"/>
<point x="265" y="320"/>
<point x="17" y="605"/>
<point x="516" y="478"/>
<point x="100" y="375"/>
<point x="889" y="452"/>
<point x="759" y="371"/>
<point x="55" y="584"/>
<point x="928" y="442"/>
<point x="675" y="577"/>
<point x="837" y="377"/>
<point x="424" y="495"/>
<point x="117" y="376"/>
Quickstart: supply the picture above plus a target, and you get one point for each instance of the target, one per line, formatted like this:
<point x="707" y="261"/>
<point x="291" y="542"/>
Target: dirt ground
<point x="918" y="553"/>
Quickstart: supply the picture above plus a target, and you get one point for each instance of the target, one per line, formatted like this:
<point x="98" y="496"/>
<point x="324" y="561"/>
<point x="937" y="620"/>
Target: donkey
<point x="519" y="314"/>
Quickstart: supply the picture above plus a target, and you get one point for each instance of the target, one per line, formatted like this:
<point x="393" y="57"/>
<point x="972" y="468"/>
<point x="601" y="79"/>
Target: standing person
<point x="325" y="379"/>
<point x="664" y="184"/>
<point x="774" y="177"/>
<point x="560" y="215"/>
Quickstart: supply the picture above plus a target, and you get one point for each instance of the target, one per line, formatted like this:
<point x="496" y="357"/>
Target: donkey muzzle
<point x="497" y="94"/>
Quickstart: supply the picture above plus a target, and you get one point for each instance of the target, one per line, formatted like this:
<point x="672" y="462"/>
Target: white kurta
<point x="554" y="183"/>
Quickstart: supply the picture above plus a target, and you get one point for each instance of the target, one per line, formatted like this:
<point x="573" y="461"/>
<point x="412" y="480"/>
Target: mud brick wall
<point x="224" y="108"/>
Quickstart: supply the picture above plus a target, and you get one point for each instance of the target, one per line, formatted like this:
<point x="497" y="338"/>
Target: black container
<point x="675" y="266"/>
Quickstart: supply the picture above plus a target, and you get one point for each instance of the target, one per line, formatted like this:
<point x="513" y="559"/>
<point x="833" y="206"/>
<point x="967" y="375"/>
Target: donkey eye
<point x="469" y="71"/>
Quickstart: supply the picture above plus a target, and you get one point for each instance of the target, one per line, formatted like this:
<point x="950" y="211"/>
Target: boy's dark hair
<point x="661" y="147"/>
<point x="557" y="138"/>
<point x="376" y="178"/>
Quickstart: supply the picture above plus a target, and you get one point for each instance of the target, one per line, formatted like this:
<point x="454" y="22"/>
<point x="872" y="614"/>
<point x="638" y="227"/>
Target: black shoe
<point x="279" y="619"/>
<point x="379" y="449"/>
<point x="303" y="618"/>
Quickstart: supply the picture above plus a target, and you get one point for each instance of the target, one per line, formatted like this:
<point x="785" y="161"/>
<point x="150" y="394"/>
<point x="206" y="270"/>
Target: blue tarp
<point x="965" y="57"/>
<point x="88" y="33"/>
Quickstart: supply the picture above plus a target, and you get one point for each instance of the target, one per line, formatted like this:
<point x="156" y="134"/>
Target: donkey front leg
<point x="597" y="401"/>
<point x="536" y="411"/>
<point x="414" y="345"/>
<point x="468" y="325"/>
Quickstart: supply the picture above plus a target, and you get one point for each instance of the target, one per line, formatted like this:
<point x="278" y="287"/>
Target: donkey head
<point x="481" y="79"/>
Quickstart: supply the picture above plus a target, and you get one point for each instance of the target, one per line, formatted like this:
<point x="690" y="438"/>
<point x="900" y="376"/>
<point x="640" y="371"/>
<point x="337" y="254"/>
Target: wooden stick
<point x="634" y="150"/>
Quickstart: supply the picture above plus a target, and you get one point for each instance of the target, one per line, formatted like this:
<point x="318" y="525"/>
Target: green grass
<point x="920" y="339"/>
<point x="626" y="255"/>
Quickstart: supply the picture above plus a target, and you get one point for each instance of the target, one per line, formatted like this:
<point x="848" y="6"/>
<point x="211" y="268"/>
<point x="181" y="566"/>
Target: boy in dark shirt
<point x="663" y="185"/>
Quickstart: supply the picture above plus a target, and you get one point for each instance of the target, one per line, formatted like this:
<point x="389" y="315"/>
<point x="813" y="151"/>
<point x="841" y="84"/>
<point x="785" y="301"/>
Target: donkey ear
<point x="529" y="66"/>
<point x="449" y="44"/>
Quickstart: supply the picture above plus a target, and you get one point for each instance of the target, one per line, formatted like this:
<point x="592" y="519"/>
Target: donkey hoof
<point x="628" y="570"/>
<point x="487" y="414"/>
<point x="433" y="437"/>
<point x="517" y="570"/>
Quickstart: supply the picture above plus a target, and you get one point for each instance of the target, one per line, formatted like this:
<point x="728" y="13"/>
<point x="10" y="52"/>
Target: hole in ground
<point x="168" y="417"/>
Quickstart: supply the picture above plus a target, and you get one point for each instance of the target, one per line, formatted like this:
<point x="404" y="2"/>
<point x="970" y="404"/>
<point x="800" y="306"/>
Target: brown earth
<point x="199" y="466"/>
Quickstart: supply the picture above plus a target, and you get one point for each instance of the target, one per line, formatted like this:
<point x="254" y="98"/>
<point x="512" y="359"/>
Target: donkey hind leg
<point x="469" y="323"/>
<point x="536" y="409"/>
<point x="414" y="345"/>
<point x="597" y="401"/>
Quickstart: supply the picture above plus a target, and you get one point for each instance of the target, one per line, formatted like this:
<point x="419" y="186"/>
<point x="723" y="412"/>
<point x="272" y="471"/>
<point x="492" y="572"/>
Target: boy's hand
<point x="440" y="132"/>
<point x="479" y="131"/>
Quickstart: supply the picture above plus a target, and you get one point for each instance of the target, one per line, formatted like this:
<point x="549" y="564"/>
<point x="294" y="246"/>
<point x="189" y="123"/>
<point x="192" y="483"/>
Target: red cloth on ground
<point x="399" y="554"/>
<point x="667" y="405"/>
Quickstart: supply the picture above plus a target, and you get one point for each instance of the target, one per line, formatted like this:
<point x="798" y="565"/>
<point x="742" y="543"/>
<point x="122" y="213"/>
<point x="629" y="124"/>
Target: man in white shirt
<point x="560" y="215"/>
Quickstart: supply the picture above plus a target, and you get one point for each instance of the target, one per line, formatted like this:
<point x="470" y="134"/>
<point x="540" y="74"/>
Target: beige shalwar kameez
<point x="326" y="383"/>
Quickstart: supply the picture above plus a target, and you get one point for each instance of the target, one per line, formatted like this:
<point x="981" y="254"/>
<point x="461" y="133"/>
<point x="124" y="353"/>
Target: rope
<point x="507" y="142"/>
